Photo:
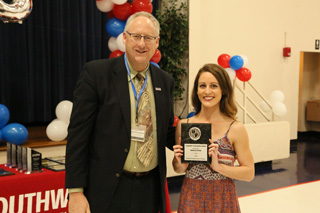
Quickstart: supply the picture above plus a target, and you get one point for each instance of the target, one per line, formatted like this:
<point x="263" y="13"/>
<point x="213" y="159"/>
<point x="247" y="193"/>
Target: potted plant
<point x="173" y="46"/>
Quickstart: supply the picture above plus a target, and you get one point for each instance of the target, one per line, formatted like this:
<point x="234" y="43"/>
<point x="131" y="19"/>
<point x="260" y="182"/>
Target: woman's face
<point x="209" y="91"/>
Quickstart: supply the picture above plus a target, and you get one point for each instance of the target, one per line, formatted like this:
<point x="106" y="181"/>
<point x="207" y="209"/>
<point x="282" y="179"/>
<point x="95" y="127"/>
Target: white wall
<point x="256" y="29"/>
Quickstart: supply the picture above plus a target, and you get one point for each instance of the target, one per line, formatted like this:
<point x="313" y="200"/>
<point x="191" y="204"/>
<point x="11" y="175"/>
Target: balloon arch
<point x="15" y="11"/>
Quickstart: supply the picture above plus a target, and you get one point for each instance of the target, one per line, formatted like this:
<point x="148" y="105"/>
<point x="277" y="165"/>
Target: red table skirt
<point x="38" y="192"/>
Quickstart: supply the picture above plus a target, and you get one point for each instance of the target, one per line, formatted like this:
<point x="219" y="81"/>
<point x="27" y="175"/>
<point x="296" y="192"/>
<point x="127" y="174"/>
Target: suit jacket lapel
<point x="157" y="83"/>
<point x="120" y="80"/>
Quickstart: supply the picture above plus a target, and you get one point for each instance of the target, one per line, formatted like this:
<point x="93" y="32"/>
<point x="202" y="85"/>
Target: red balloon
<point x="243" y="74"/>
<point x="122" y="11"/>
<point x="176" y="120"/>
<point x="116" y="53"/>
<point x="110" y="14"/>
<point x="223" y="60"/>
<point x="156" y="56"/>
<point x="142" y="5"/>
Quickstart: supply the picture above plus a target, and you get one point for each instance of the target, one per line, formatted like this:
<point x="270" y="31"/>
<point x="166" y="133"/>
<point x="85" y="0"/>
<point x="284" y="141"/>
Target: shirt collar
<point x="134" y="72"/>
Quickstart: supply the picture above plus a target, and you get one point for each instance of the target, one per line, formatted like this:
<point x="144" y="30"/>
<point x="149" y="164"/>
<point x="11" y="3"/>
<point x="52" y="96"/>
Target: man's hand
<point x="78" y="203"/>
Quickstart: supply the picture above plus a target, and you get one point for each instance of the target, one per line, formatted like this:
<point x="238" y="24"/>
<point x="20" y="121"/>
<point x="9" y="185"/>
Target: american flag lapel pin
<point x="158" y="89"/>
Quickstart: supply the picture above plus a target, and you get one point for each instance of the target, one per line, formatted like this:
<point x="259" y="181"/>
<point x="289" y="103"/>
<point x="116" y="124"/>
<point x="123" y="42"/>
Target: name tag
<point x="138" y="133"/>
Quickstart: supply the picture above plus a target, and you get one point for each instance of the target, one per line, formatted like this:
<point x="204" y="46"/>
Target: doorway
<point x="309" y="89"/>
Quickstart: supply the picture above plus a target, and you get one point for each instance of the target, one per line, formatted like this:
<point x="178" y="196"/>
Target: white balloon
<point x="245" y="60"/>
<point x="231" y="73"/>
<point x="119" y="1"/>
<point x="112" y="44"/>
<point x="120" y="43"/>
<point x="57" y="130"/>
<point x="15" y="11"/>
<point x="279" y="109"/>
<point x="276" y="96"/>
<point x="63" y="111"/>
<point x="264" y="106"/>
<point x="105" y="5"/>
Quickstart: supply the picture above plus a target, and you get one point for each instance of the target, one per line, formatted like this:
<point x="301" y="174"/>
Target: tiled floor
<point x="301" y="198"/>
<point x="302" y="166"/>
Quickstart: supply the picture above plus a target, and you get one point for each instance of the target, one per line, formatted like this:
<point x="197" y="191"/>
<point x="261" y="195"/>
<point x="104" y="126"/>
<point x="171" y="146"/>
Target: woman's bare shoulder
<point x="237" y="131"/>
<point x="184" y="120"/>
<point x="238" y="126"/>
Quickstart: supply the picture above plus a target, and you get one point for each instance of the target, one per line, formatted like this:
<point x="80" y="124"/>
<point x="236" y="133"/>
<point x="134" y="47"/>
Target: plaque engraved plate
<point x="195" y="140"/>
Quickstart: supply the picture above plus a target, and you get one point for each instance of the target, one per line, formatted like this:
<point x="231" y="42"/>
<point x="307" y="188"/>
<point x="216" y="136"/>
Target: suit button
<point x="117" y="175"/>
<point x="126" y="150"/>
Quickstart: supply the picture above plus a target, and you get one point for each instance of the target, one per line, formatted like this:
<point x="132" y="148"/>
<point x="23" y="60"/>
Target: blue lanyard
<point x="132" y="85"/>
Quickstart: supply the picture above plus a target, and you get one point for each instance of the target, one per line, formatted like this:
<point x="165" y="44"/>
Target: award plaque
<point x="57" y="159"/>
<point x="54" y="163"/>
<point x="195" y="140"/>
<point x="14" y="156"/>
<point x="5" y="172"/>
<point x="34" y="163"/>
<point x="9" y="154"/>
<point x="19" y="158"/>
<point x="24" y="159"/>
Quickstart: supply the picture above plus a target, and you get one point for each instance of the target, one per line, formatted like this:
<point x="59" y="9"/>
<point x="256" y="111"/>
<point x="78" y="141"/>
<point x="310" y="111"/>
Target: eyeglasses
<point x="137" y="37"/>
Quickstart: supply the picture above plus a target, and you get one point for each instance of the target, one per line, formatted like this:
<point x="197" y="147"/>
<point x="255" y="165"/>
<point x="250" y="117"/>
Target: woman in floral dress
<point x="210" y="187"/>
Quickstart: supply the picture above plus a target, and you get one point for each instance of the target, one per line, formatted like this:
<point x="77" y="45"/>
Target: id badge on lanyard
<point x="138" y="132"/>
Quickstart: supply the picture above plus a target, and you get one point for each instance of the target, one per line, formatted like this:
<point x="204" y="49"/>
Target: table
<point x="37" y="192"/>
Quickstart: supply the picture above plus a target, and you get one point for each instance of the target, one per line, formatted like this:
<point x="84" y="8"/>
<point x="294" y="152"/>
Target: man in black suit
<point x="103" y="172"/>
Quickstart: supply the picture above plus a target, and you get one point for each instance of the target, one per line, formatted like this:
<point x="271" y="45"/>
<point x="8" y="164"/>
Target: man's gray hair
<point x="145" y="14"/>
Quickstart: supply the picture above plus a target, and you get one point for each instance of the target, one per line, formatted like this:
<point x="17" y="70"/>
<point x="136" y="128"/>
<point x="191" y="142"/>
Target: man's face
<point x="139" y="52"/>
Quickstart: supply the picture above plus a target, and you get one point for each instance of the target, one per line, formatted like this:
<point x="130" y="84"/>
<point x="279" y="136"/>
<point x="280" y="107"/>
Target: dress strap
<point x="230" y="126"/>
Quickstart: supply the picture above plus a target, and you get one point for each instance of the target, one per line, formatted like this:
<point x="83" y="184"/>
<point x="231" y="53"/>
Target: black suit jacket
<point x="100" y="127"/>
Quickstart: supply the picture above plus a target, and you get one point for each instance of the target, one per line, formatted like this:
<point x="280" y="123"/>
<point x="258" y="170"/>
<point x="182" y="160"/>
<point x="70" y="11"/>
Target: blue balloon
<point x="154" y="63"/>
<point x="191" y="114"/>
<point x="0" y="135"/>
<point x="15" y="133"/>
<point x="4" y="115"/>
<point x="236" y="62"/>
<point x="115" y="26"/>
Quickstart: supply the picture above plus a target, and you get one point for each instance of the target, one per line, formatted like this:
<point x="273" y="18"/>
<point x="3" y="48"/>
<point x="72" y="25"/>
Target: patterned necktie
<point x="145" y="150"/>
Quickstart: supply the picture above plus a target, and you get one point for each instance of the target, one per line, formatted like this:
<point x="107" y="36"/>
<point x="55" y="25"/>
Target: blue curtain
<point x="41" y="59"/>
